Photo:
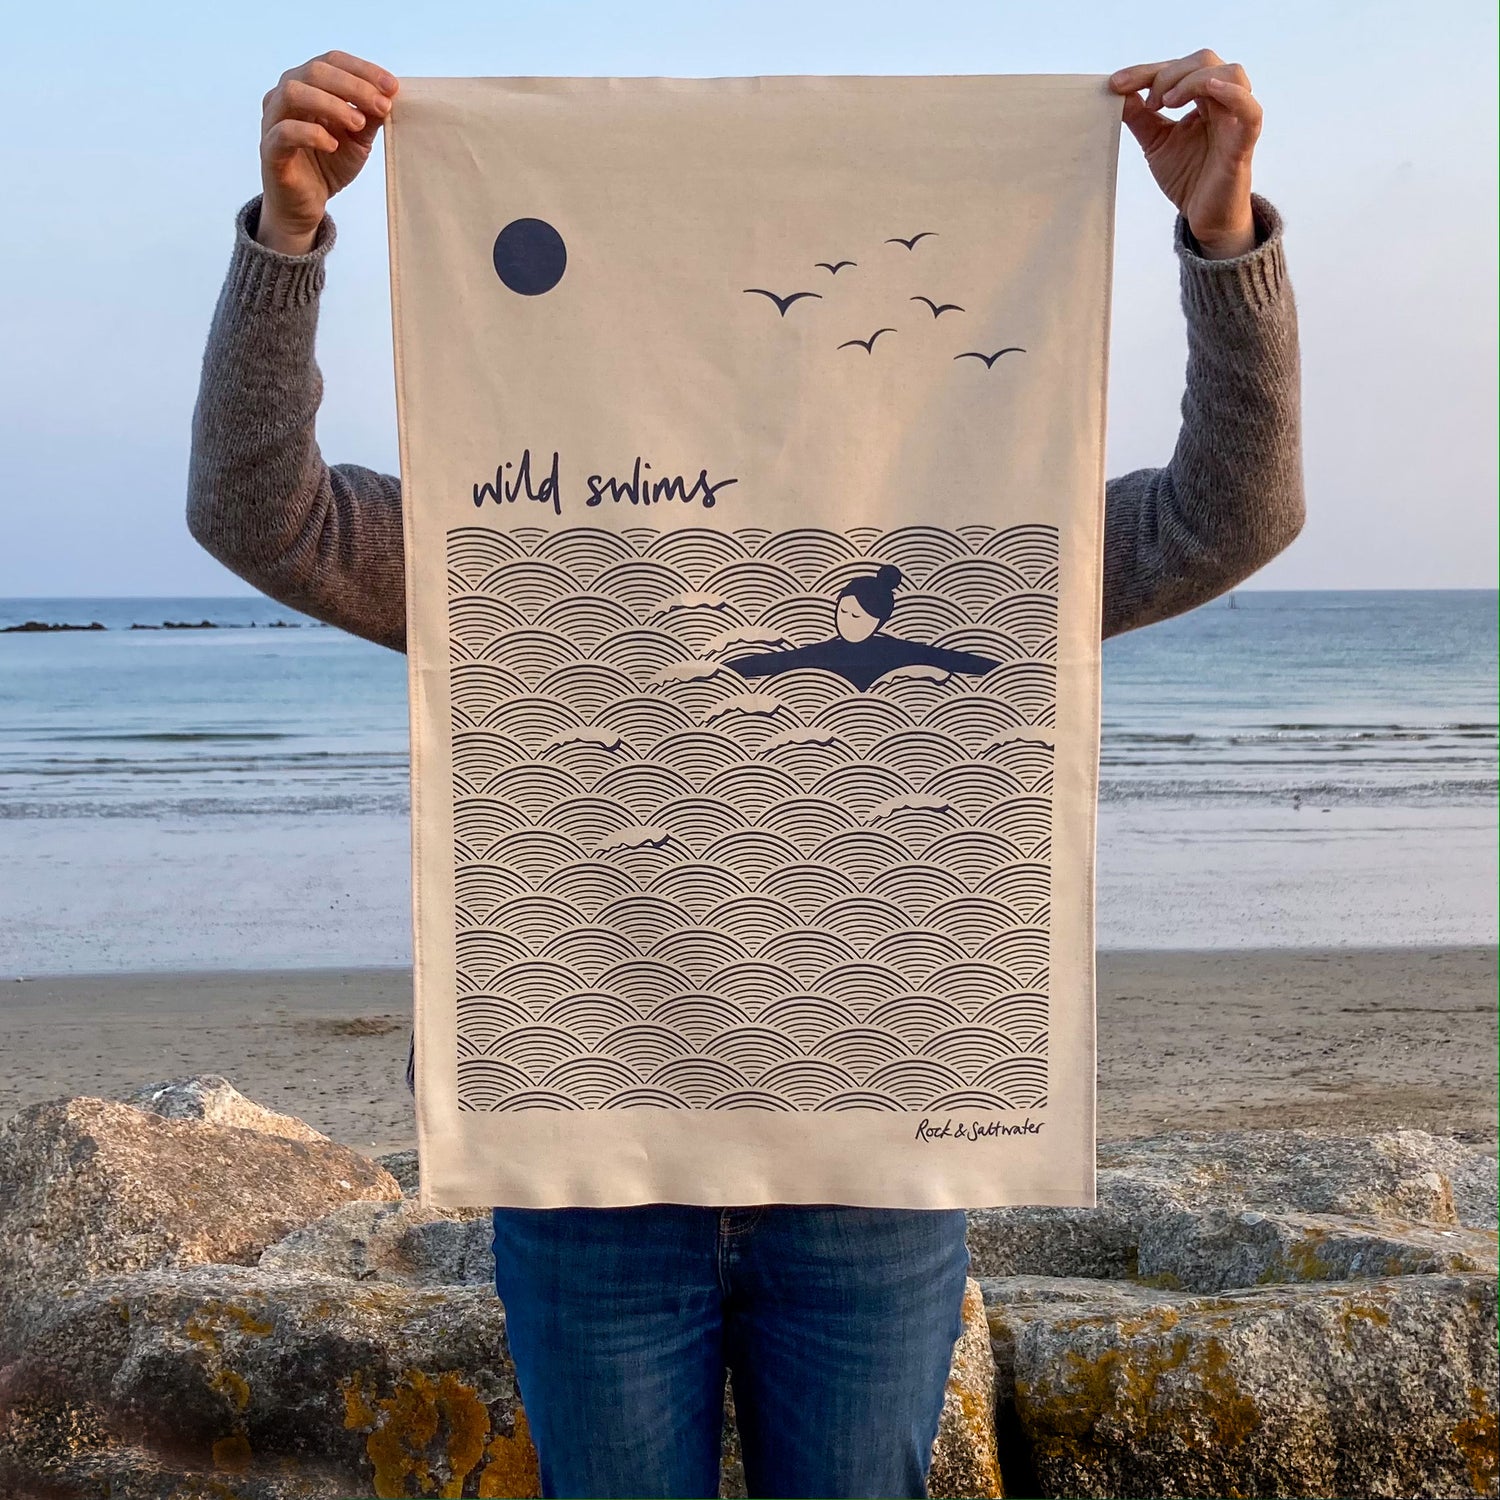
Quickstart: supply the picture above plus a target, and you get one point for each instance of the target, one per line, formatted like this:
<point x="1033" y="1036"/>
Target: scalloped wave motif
<point x="677" y="888"/>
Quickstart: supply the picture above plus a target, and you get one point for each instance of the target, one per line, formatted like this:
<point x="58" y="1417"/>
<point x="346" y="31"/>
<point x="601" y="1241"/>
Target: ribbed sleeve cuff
<point x="264" y="278"/>
<point x="1250" y="282"/>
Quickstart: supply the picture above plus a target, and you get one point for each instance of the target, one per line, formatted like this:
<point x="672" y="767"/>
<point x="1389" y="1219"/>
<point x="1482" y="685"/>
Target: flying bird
<point x="782" y="303"/>
<point x="989" y="359"/>
<point x="868" y="345"/>
<point x="911" y="244"/>
<point x="937" y="309"/>
<point x="833" y="267"/>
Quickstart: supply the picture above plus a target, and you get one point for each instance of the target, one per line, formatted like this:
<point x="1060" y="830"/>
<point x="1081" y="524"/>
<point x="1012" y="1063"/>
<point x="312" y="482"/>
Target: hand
<point x="317" y="129"/>
<point x="1202" y="161"/>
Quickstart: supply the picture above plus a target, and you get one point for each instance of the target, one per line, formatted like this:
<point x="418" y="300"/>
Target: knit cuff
<point x="1249" y="282"/>
<point x="265" y="278"/>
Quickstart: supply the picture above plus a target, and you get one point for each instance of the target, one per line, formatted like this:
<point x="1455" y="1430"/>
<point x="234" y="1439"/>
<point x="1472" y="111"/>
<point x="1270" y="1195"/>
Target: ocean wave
<point x="1452" y="792"/>
<point x="170" y="736"/>
<point x="301" y="763"/>
<point x="1282" y="734"/>
<point x="279" y="805"/>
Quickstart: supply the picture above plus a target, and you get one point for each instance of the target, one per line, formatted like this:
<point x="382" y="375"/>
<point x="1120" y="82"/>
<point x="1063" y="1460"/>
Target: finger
<point x="1144" y="75"/>
<point x="1221" y="100"/>
<point x="1158" y="77"/>
<point x="1242" y="106"/>
<point x="1132" y="79"/>
<point x="1190" y="85"/>
<point x="292" y="99"/>
<point x="287" y="137"/>
<point x="370" y="98"/>
<point x="1174" y="72"/>
<point x="370" y="72"/>
<point x="335" y="82"/>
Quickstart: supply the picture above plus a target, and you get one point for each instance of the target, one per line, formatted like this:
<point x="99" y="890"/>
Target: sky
<point x="129" y="137"/>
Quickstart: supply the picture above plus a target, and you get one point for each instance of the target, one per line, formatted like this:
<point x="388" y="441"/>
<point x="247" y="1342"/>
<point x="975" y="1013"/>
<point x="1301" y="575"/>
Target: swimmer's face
<point x="852" y="622"/>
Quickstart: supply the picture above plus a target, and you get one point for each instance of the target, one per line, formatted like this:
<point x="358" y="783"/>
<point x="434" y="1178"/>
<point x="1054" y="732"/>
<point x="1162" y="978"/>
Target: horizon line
<point x="1463" y="588"/>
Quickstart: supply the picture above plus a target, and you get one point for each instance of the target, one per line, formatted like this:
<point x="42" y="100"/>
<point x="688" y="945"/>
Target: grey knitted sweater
<point x="327" y="539"/>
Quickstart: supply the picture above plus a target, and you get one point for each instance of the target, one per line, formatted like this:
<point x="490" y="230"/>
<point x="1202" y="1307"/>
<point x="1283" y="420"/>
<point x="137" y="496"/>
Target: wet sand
<point x="1342" y="1038"/>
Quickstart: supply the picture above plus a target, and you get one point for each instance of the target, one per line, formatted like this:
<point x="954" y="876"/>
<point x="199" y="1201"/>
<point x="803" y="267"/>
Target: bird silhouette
<point x="833" y="267"/>
<point x="868" y="345"/>
<point x="989" y="359"/>
<point x="911" y="244"/>
<point x="937" y="309"/>
<point x="782" y="303"/>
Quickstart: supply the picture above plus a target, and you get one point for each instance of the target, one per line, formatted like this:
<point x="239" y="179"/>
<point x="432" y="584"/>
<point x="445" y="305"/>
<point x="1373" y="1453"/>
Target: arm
<point x="324" y="540"/>
<point x="1231" y="497"/>
<point x="949" y="660"/>
<point x="769" y="663"/>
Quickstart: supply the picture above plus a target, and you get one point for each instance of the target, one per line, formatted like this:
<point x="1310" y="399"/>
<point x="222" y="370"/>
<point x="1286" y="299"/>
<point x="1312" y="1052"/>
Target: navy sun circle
<point x="530" y="256"/>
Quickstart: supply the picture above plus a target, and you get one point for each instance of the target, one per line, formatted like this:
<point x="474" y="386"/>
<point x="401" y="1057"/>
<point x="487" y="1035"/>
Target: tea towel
<point x="752" y="453"/>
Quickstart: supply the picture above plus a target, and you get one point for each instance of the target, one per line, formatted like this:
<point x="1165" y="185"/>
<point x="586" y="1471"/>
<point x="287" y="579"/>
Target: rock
<point x="228" y="1381"/>
<point x="1215" y="1249"/>
<point x="1013" y="1302"/>
<point x="1101" y="1242"/>
<point x="201" y="1297"/>
<point x="1371" y="1388"/>
<point x="1475" y="1178"/>
<point x="1393" y="1175"/>
<point x="218" y="1380"/>
<point x="34" y="625"/>
<point x="964" y="1458"/>
<point x="731" y="1455"/>
<point x="216" y="1101"/>
<point x="89" y="1187"/>
<point x="402" y="1165"/>
<point x="1404" y="1175"/>
<point x="399" y="1242"/>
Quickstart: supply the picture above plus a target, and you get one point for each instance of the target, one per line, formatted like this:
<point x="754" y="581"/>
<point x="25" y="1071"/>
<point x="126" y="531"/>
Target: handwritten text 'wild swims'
<point x="515" y="482"/>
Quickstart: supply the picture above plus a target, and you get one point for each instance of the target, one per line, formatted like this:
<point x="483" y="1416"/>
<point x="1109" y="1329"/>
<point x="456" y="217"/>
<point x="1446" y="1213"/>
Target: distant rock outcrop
<point x="202" y="1297"/>
<point x="31" y="627"/>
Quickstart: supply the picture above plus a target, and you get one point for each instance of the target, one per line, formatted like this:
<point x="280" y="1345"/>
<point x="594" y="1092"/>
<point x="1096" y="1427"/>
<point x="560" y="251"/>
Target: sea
<point x="222" y="782"/>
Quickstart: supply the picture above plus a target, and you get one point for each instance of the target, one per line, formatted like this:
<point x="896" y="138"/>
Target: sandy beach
<point x="1344" y="1038"/>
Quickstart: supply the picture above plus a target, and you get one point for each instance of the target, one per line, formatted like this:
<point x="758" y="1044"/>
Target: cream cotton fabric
<point x="753" y="621"/>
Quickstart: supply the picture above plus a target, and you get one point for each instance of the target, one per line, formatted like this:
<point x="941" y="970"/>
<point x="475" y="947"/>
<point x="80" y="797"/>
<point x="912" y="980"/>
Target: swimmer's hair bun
<point x="888" y="577"/>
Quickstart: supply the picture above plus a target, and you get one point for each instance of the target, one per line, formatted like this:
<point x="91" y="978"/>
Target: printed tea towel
<point x="751" y="446"/>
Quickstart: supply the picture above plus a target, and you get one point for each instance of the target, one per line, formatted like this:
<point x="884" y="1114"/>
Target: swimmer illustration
<point x="860" y="651"/>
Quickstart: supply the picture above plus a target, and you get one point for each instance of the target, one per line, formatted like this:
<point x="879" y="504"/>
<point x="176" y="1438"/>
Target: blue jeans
<point x="837" y="1325"/>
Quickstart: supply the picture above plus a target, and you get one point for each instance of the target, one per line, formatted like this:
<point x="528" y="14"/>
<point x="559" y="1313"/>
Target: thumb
<point x="364" y="138"/>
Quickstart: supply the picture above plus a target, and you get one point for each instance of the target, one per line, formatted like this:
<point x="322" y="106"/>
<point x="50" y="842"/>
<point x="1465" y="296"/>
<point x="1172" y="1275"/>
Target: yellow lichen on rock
<point x="468" y="1422"/>
<point x="1476" y="1438"/>
<point x="511" y="1470"/>
<point x="358" y="1413"/>
<point x="1304" y="1262"/>
<point x="233" y="1385"/>
<point x="1357" y="1312"/>
<point x="1233" y="1416"/>
<point x="431" y="1431"/>
<point x="1122" y="1384"/>
<point x="203" y="1324"/>
<point x="232" y="1453"/>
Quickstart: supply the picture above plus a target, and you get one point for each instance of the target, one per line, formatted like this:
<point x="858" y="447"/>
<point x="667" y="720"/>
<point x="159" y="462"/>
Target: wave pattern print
<point x="680" y="888"/>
